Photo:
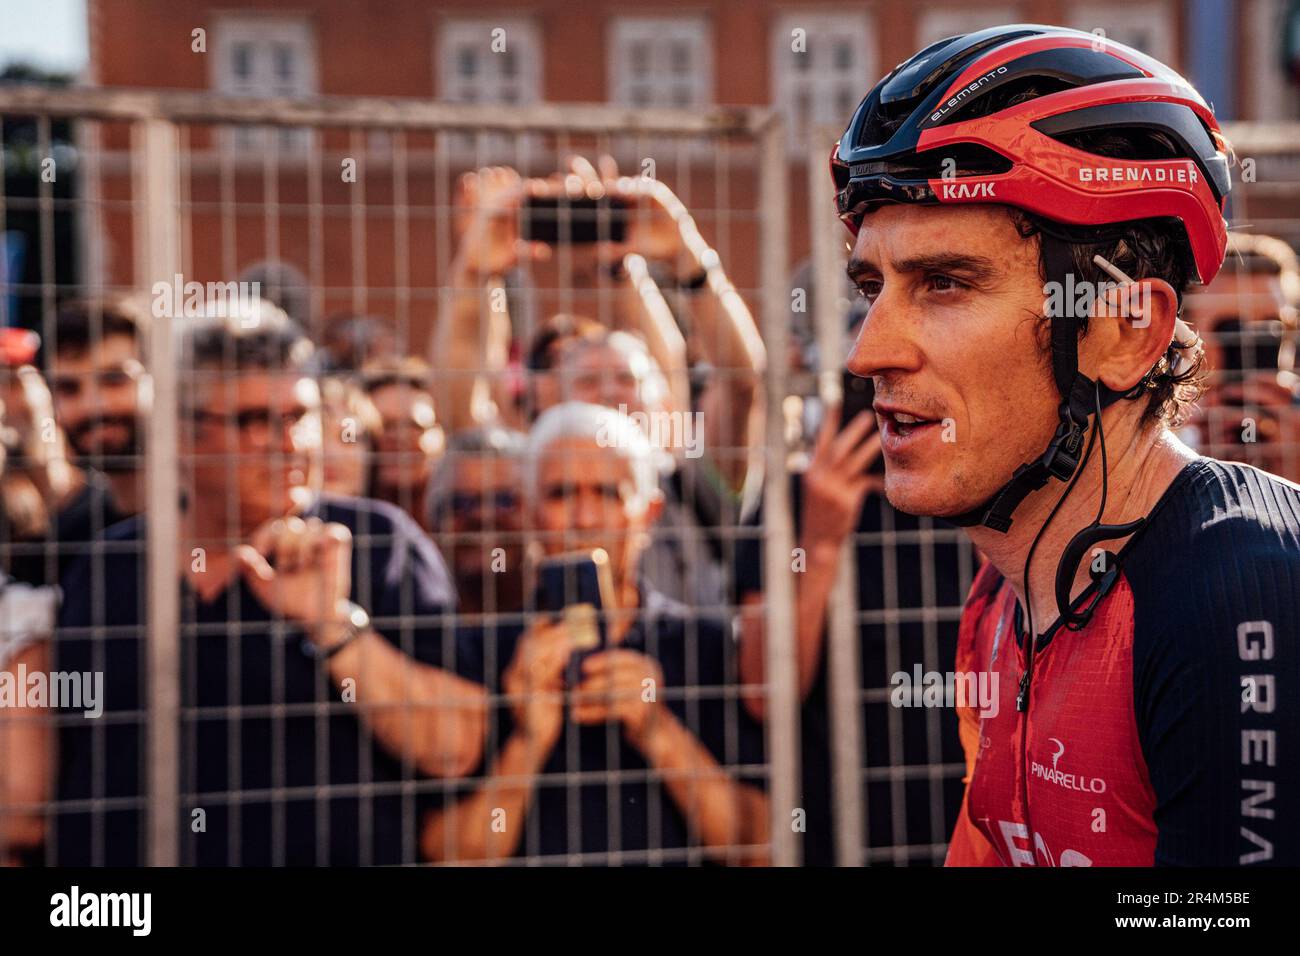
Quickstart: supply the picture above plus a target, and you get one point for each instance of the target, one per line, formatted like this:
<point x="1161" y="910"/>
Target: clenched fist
<point x="301" y="569"/>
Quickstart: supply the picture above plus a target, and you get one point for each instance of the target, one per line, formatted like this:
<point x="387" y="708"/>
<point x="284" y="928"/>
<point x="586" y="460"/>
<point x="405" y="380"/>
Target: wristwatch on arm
<point x="356" y="621"/>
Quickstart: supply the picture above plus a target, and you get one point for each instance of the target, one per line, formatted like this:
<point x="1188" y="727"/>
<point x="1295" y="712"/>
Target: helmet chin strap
<point x="1082" y="398"/>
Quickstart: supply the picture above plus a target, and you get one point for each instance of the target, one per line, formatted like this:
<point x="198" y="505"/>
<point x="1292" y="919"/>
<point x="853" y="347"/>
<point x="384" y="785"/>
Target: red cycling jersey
<point x="1164" y="731"/>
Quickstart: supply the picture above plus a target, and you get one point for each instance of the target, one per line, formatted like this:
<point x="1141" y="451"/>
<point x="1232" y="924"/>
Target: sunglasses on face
<point x="471" y="502"/>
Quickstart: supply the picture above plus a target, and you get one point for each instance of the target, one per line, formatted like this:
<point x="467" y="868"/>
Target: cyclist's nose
<point x="887" y="339"/>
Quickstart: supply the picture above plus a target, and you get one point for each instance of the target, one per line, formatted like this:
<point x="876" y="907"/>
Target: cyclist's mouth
<point x="901" y="430"/>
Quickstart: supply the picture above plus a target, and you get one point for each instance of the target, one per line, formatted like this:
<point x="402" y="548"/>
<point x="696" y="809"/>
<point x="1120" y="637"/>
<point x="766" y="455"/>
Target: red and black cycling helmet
<point x="1005" y="116"/>
<point x="929" y="133"/>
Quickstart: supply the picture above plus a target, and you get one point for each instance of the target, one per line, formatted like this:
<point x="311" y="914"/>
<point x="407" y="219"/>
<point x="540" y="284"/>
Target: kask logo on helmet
<point x="967" y="191"/>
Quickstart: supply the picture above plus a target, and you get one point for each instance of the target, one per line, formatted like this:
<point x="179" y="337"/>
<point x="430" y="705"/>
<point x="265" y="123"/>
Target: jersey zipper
<point x="1022" y="705"/>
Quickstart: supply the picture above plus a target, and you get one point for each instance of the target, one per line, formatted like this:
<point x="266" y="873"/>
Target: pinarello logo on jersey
<point x="1070" y="781"/>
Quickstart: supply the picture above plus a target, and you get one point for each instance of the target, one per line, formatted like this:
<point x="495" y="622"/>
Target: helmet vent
<point x="1011" y="93"/>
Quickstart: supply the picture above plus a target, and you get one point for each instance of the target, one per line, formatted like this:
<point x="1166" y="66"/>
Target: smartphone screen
<point x="577" y="588"/>
<point x="553" y="220"/>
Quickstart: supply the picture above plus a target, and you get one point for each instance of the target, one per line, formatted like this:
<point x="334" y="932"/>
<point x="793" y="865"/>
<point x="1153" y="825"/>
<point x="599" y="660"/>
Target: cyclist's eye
<point x="946" y="283"/>
<point x="869" y="289"/>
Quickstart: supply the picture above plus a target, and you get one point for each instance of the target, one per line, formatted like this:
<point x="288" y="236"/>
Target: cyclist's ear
<point x="1129" y="330"/>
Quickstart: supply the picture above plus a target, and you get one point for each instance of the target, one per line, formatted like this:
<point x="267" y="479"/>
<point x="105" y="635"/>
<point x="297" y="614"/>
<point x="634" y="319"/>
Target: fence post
<point x="778" y="526"/>
<point x="157" y="243"/>
<point x="843" y="659"/>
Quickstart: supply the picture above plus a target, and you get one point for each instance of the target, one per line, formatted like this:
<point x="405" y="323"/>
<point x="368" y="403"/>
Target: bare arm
<point x="534" y="685"/>
<point x="724" y="812"/>
<point x="812" y="594"/>
<point x="420" y="713"/>
<point x="469" y="346"/>
<point x="722" y="325"/>
<point x="465" y="831"/>
<point x="472" y="339"/>
<point x="646" y="311"/>
<point x="25" y="758"/>
<point x="730" y="341"/>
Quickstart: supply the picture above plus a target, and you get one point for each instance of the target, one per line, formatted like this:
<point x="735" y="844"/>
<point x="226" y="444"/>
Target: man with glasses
<point x="312" y="630"/>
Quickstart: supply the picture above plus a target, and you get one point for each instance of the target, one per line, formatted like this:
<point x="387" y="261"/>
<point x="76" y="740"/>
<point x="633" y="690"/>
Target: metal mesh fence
<point x="307" y="590"/>
<point x="313" y="691"/>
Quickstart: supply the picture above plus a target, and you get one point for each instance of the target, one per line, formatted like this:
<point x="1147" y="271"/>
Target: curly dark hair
<point x="1148" y="248"/>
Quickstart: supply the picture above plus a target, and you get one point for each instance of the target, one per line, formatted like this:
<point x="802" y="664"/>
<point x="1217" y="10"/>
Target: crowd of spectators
<point x="366" y="674"/>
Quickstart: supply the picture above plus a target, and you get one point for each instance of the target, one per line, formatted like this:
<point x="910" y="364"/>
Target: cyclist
<point x="1029" y="204"/>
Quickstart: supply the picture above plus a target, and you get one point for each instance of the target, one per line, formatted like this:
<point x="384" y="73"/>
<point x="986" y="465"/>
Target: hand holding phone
<point x="577" y="587"/>
<point x="555" y="220"/>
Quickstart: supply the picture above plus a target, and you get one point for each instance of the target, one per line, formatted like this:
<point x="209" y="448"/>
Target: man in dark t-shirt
<point x="309" y="709"/>
<point x="72" y="531"/>
<point x="597" y="798"/>
<point x="277" y="759"/>
<point x="637" y="753"/>
<point x="93" y="362"/>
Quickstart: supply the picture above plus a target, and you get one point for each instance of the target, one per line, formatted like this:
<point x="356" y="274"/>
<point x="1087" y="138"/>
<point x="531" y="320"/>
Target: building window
<point x="265" y="57"/>
<point x="497" y="60"/>
<point x="660" y="61"/>
<point x="1148" y="27"/>
<point x="823" y="64"/>
<point x="490" y="61"/>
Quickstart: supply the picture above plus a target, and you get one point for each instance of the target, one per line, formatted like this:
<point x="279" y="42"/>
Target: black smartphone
<point x="858" y="394"/>
<point x="555" y="220"/>
<point x="578" y="588"/>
